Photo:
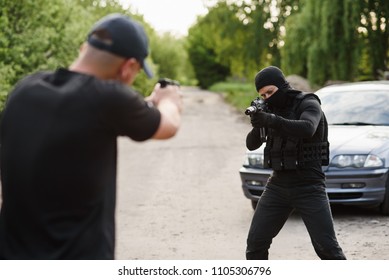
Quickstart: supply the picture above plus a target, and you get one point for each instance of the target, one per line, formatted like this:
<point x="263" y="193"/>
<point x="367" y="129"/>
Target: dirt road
<point x="181" y="199"/>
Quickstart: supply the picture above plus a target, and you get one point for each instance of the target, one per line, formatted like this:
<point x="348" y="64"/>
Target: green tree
<point x="244" y="36"/>
<point x="169" y="53"/>
<point x="49" y="37"/>
<point x="29" y="41"/>
<point x="346" y="40"/>
<point x="203" y="58"/>
<point x="374" y="29"/>
<point x="210" y="54"/>
<point x="321" y="40"/>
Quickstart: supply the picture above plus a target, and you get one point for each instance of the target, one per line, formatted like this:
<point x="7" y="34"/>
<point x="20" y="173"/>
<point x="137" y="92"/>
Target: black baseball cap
<point x="127" y="38"/>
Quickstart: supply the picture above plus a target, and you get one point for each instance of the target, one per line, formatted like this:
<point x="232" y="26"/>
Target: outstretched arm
<point x="169" y="102"/>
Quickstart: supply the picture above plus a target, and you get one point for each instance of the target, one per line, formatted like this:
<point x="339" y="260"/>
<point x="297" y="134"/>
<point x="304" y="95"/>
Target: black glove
<point x="263" y="119"/>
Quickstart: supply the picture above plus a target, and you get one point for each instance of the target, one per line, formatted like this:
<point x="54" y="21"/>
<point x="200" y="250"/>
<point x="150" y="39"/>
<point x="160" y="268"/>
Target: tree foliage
<point x="321" y="40"/>
<point x="202" y="39"/>
<point x="50" y="37"/>
<point x="243" y="35"/>
<point x="171" y="57"/>
<point x="25" y="38"/>
<point x="340" y="33"/>
<point x="374" y="27"/>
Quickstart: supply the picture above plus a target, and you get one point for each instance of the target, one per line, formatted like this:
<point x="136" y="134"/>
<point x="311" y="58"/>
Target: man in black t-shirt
<point x="295" y="130"/>
<point x="59" y="145"/>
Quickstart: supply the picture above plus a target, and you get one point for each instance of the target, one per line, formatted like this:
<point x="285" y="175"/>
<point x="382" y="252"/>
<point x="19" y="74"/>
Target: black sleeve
<point x="128" y="114"/>
<point x="306" y="125"/>
<point x="253" y="139"/>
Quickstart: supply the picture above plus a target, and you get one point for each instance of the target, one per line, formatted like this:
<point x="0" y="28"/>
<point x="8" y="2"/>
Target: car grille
<point x="255" y="192"/>
<point x="335" y="196"/>
<point x="331" y="196"/>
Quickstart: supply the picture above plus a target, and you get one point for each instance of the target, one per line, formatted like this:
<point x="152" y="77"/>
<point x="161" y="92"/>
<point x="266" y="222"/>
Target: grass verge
<point x="237" y="94"/>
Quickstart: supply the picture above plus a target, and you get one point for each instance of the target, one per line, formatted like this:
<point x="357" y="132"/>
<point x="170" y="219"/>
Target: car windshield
<point x="356" y="107"/>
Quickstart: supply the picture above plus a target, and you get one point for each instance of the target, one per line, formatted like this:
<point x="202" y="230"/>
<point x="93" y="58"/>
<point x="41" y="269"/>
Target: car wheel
<point x="384" y="207"/>
<point x="254" y="203"/>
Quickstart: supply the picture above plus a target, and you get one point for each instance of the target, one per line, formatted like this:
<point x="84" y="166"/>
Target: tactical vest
<point x="289" y="153"/>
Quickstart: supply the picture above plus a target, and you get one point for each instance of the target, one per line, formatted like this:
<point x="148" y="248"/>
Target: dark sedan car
<point x="358" y="118"/>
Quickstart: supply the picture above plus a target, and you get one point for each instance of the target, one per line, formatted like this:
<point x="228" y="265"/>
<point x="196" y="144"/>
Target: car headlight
<point x="253" y="160"/>
<point x="357" y="161"/>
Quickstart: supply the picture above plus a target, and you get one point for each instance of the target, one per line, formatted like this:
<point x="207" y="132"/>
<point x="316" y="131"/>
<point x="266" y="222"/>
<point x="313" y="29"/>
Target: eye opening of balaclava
<point x="273" y="76"/>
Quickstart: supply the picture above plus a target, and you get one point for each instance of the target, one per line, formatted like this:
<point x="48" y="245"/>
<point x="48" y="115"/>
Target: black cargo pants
<point x="273" y="210"/>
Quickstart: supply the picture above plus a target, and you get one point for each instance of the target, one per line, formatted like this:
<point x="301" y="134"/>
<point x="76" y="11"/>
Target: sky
<point x="174" y="16"/>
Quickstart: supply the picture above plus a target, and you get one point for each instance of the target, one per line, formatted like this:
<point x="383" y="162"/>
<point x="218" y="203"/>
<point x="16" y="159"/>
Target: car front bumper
<point x="353" y="187"/>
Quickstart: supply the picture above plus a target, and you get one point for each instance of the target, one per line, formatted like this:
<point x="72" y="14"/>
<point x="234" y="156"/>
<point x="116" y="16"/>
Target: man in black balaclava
<point x="296" y="148"/>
